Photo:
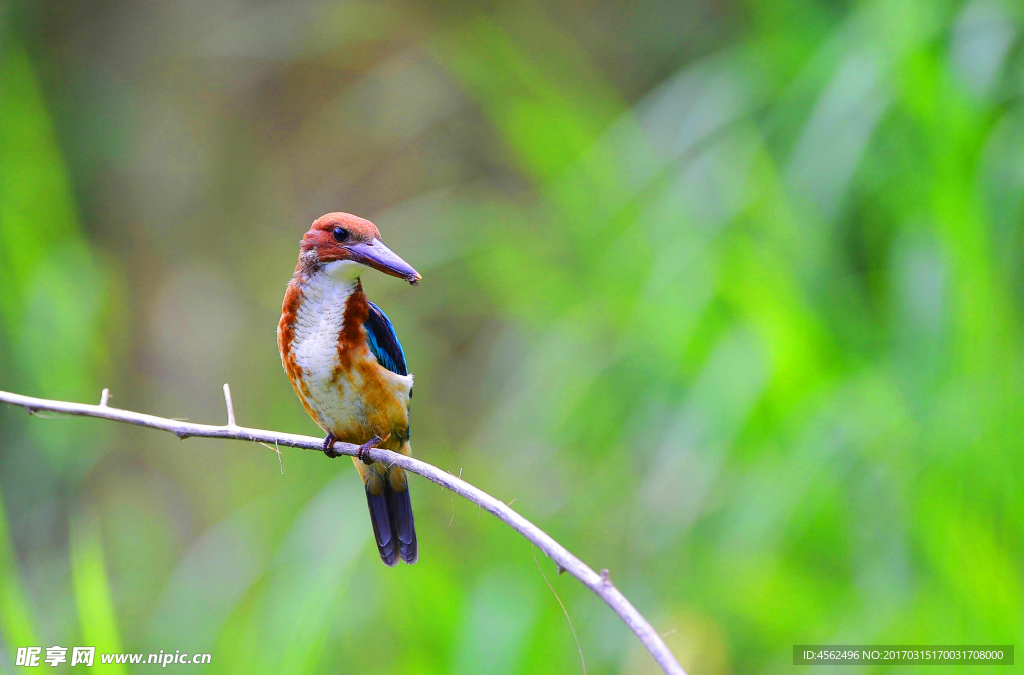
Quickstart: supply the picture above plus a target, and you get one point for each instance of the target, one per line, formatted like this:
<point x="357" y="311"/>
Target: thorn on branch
<point x="230" y="406"/>
<point x="104" y="398"/>
<point x="606" y="577"/>
<point x="559" y="569"/>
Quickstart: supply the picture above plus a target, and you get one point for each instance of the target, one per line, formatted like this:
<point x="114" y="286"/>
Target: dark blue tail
<point x="394" y="527"/>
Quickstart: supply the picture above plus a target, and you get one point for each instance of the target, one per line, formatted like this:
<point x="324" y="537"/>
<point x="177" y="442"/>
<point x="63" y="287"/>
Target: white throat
<point x="324" y="297"/>
<point x="343" y="271"/>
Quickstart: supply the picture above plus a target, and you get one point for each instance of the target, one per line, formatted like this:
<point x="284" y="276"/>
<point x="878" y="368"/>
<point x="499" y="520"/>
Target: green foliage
<point x="98" y="624"/>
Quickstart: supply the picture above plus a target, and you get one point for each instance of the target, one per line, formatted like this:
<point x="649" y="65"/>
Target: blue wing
<point x="383" y="342"/>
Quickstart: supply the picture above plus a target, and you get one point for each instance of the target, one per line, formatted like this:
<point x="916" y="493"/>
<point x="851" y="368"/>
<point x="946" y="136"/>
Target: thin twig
<point x="533" y="549"/>
<point x="230" y="406"/>
<point x="276" y="449"/>
<point x="600" y="584"/>
<point x="104" y="397"/>
<point x="452" y="501"/>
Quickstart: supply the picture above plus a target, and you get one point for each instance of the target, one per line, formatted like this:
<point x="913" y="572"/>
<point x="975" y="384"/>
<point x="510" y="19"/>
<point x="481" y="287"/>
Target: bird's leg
<point x="329" y="447"/>
<point x="365" y="448"/>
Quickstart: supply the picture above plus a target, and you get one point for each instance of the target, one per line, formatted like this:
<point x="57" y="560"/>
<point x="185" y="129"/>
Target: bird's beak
<point x="378" y="256"/>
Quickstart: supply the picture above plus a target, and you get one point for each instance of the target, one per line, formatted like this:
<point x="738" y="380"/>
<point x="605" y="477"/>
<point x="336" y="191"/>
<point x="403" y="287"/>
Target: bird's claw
<point x="329" y="447"/>
<point x="365" y="448"/>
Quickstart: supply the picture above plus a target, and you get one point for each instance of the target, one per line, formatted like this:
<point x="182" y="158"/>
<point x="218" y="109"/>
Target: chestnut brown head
<point x="343" y="237"/>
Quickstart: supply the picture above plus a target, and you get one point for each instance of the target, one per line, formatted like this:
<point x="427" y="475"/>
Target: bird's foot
<point x="329" y="447"/>
<point x="364" y="449"/>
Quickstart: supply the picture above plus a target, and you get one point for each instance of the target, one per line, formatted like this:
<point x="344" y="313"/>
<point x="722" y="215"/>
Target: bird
<point x="343" y="358"/>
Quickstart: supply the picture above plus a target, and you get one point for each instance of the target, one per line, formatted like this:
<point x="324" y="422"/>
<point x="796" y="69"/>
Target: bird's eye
<point x="340" y="234"/>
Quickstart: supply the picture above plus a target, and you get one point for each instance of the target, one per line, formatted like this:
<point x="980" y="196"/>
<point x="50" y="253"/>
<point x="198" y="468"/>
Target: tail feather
<point x="380" y="517"/>
<point x="394" y="528"/>
<point x="403" y="525"/>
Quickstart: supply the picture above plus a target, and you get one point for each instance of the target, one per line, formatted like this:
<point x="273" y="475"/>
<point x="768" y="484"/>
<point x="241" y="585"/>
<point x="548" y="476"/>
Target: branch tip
<point x="230" y="406"/>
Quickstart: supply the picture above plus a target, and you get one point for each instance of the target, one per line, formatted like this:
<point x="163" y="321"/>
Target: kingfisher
<point x="347" y="366"/>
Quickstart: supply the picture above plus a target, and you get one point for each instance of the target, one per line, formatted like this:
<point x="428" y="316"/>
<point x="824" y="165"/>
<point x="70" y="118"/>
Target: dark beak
<point x="378" y="256"/>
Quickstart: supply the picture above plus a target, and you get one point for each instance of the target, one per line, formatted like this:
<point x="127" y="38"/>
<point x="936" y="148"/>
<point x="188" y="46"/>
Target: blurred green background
<point x="725" y="294"/>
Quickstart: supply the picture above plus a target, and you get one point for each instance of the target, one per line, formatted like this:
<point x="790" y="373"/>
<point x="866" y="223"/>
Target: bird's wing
<point x="383" y="342"/>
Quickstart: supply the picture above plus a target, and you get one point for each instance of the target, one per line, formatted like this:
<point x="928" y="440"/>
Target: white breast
<point x="318" y="322"/>
<point x="337" y="400"/>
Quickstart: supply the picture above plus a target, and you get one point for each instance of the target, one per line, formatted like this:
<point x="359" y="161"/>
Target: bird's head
<point x="343" y="244"/>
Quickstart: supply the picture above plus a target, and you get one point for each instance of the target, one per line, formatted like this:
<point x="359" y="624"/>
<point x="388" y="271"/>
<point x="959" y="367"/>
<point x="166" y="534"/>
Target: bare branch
<point x="600" y="584"/>
<point x="104" y="397"/>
